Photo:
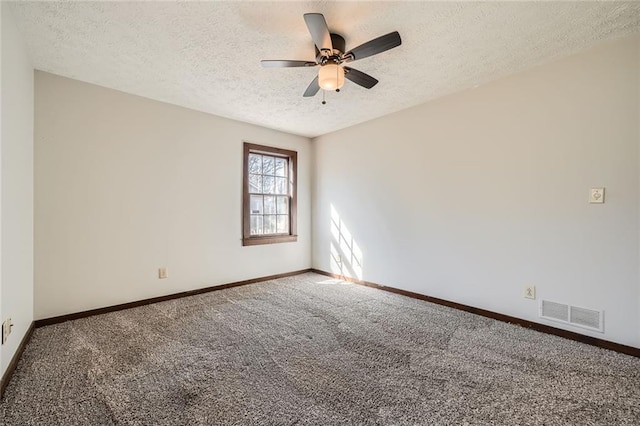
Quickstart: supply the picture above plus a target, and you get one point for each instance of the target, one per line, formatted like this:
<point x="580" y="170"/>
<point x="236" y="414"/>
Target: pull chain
<point x="323" y="101"/>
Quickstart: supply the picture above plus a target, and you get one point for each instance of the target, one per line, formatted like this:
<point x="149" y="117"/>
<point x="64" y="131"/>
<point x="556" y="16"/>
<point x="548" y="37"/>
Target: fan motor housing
<point x="338" y="46"/>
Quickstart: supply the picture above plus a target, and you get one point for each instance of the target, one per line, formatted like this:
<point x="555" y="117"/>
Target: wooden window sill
<point x="275" y="239"/>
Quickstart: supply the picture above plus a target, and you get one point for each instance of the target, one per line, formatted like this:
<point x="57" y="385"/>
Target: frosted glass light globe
<point x="331" y="77"/>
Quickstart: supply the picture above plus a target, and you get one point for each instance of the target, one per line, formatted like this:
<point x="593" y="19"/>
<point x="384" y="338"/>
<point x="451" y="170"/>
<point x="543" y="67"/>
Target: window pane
<point x="255" y="183"/>
<point x="268" y="185"/>
<point x="281" y="185"/>
<point x="281" y="166"/>
<point x="283" y="205"/>
<point x="269" y="224"/>
<point x="268" y="165"/>
<point x="255" y="163"/>
<point x="256" y="204"/>
<point x="270" y="205"/>
<point x="256" y="225"/>
<point x="283" y="224"/>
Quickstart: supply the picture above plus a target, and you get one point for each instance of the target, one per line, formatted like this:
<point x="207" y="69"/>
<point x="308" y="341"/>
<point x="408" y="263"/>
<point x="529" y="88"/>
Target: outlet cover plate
<point x="6" y="330"/>
<point x="163" y="273"/>
<point x="596" y="196"/>
<point x="529" y="292"/>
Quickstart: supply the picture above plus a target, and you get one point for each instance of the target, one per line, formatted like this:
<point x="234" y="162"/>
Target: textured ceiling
<point x="206" y="55"/>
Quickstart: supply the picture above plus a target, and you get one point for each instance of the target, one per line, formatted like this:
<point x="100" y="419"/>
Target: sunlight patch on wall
<point x="345" y="256"/>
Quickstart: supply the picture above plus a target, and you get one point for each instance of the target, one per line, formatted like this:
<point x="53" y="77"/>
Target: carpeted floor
<point x="308" y="350"/>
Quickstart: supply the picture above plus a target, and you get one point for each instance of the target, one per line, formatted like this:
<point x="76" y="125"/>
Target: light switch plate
<point x="596" y="196"/>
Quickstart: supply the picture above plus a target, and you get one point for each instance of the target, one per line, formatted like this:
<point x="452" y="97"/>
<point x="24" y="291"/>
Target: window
<point x="269" y="195"/>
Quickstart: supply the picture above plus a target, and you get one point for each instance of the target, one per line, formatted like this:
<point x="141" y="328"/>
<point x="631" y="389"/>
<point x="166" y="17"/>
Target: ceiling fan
<point x="330" y="56"/>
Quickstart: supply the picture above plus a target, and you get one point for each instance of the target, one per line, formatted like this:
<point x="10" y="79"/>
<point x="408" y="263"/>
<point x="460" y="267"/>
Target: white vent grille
<point x="553" y="310"/>
<point x="574" y="315"/>
<point x="585" y="317"/>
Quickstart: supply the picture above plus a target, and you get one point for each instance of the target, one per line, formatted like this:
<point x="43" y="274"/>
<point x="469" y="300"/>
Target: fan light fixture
<point x="331" y="77"/>
<point x="331" y="56"/>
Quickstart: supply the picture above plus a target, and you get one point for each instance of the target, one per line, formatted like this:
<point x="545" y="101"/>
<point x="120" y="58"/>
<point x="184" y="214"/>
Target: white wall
<point x="125" y="185"/>
<point x="16" y="177"/>
<point x="470" y="197"/>
<point x="638" y="121"/>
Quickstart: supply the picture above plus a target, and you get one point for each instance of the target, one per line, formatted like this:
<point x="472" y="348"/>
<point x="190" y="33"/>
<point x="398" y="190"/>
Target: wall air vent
<point x="554" y="311"/>
<point x="586" y="318"/>
<point x="573" y="315"/>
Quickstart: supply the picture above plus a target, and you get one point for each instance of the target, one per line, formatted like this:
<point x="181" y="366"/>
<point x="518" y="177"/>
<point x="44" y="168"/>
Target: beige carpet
<point x="306" y="350"/>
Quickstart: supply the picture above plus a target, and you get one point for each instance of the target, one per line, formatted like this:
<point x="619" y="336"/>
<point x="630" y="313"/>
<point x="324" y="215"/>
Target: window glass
<point x="270" y="195"/>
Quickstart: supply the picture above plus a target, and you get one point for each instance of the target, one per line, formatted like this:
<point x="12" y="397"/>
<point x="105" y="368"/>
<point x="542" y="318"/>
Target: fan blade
<point x="286" y="64"/>
<point x="312" y="89"/>
<point x="358" y="77"/>
<point x="319" y="31"/>
<point x="375" y="46"/>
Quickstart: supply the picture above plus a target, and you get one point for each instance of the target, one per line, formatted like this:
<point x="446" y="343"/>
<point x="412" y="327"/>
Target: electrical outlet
<point x="6" y="330"/>
<point x="596" y="195"/>
<point x="529" y="292"/>
<point x="163" y="273"/>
